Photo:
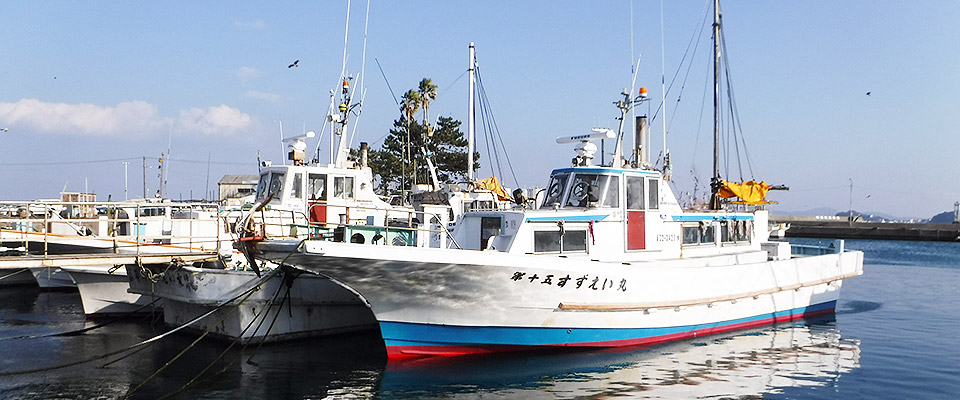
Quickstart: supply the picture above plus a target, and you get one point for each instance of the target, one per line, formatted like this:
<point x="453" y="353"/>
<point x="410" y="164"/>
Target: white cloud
<point x="219" y="120"/>
<point x="131" y="118"/>
<point x="257" y="24"/>
<point x="246" y="73"/>
<point x="127" y="118"/>
<point x="268" y="97"/>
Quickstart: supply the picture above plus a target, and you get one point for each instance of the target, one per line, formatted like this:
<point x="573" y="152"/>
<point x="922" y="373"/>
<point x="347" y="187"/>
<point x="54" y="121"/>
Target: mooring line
<point x="204" y="334"/>
<point x="13" y="273"/>
<point x="246" y="293"/>
<point x="265" y="312"/>
<point x="82" y="330"/>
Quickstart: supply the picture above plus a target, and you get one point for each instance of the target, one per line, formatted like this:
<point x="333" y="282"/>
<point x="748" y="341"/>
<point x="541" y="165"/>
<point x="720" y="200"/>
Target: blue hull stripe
<point x="412" y="334"/>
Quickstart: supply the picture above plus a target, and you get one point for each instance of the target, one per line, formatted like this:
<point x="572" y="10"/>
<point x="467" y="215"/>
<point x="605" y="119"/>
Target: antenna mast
<point x="715" y="180"/>
<point x="470" y="111"/>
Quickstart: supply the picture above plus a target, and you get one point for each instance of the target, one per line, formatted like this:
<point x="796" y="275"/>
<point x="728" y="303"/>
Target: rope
<point x="143" y="343"/>
<point x="12" y="274"/>
<point x="263" y="339"/>
<point x="82" y="330"/>
<point x="245" y="295"/>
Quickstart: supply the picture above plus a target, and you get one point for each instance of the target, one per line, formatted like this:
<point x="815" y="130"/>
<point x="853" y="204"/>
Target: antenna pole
<point x="715" y="180"/>
<point x="470" y="112"/>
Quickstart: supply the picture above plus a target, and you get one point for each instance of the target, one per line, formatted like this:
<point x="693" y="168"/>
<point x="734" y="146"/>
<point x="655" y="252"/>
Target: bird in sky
<point x="868" y="93"/>
<point x="294" y="64"/>
<point x="4" y="129"/>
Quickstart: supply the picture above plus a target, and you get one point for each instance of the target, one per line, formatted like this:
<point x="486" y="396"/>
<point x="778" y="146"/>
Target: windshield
<point x="555" y="189"/>
<point x="593" y="190"/>
<point x="262" y="186"/>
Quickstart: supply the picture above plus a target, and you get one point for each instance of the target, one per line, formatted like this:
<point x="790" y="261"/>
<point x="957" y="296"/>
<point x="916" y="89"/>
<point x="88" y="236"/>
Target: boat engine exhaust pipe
<point x="640" y="142"/>
<point x="364" y="149"/>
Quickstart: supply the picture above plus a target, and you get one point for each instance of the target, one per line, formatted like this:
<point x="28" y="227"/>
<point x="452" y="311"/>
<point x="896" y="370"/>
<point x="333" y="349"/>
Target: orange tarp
<point x="493" y="185"/>
<point x="751" y="192"/>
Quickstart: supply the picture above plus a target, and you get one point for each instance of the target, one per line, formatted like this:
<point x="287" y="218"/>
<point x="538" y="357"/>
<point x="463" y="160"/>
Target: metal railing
<point x="296" y="224"/>
<point x="114" y="226"/>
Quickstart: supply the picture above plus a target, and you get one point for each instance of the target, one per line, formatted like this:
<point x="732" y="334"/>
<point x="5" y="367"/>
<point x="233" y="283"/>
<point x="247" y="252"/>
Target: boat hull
<point x="310" y="306"/>
<point x="103" y="292"/>
<point x="464" y="302"/>
<point x="53" y="278"/>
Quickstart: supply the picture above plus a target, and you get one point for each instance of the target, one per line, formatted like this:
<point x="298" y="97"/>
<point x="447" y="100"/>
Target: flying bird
<point x="4" y="129"/>
<point x="294" y="64"/>
<point x="868" y="93"/>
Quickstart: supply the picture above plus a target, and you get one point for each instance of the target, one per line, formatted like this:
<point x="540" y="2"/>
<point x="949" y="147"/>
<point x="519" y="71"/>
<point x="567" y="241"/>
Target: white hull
<point x="103" y="291"/>
<point x="473" y="301"/>
<point x="313" y="305"/>
<point x="53" y="278"/>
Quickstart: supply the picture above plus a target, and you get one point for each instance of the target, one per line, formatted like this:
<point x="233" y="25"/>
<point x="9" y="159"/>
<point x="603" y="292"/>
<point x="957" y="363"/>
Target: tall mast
<point x="715" y="180"/>
<point x="470" y="112"/>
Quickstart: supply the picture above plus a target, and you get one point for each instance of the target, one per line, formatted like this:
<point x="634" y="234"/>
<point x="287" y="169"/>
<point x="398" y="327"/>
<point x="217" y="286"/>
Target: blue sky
<point x="116" y="80"/>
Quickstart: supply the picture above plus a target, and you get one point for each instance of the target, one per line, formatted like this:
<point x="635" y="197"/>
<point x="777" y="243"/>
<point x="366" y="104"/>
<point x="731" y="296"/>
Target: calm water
<point x="894" y="336"/>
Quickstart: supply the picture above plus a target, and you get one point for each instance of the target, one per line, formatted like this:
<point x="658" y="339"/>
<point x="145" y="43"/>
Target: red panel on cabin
<point x="318" y="212"/>
<point x="636" y="232"/>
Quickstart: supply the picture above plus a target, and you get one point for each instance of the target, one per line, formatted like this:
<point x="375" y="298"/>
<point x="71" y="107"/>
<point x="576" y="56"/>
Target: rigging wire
<point x="487" y="115"/>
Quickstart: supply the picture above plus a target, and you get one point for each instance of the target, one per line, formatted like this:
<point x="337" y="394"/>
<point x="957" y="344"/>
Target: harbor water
<point x="893" y="336"/>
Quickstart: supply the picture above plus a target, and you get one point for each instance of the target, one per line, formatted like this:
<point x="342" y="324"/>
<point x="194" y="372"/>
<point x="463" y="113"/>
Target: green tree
<point x="447" y="148"/>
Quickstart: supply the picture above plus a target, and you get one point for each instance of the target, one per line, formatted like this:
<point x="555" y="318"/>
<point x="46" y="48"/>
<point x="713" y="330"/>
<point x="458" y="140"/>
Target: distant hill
<point x="945" y="217"/>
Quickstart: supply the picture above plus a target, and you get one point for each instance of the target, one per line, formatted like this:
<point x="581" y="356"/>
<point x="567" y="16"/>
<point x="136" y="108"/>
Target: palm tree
<point x="428" y="91"/>
<point x="408" y="107"/>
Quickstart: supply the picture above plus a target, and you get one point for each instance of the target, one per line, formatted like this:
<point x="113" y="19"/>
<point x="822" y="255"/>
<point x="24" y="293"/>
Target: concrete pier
<point x="841" y="228"/>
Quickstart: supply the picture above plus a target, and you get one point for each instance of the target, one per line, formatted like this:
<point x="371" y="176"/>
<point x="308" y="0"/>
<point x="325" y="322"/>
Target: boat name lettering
<point x="594" y="284"/>
<point x="668" y="237"/>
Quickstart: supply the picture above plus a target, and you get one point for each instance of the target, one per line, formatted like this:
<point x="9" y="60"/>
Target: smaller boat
<point x="103" y="292"/>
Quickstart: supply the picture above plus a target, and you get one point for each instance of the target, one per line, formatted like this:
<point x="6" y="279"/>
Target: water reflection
<point x="744" y="363"/>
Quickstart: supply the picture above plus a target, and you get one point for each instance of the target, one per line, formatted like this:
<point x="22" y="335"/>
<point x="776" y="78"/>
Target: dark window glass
<point x="574" y="242"/>
<point x="555" y="189"/>
<point x="691" y="235"/>
<point x="489" y="226"/>
<point x="546" y="241"/>
<point x="317" y="186"/>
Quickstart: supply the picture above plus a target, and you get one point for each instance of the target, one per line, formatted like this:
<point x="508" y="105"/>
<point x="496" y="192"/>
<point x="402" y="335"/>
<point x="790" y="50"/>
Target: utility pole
<point x="125" y="163"/>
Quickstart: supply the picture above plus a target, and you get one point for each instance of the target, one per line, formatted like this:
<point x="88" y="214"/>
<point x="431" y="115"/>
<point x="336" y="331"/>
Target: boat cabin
<point x="610" y="214"/>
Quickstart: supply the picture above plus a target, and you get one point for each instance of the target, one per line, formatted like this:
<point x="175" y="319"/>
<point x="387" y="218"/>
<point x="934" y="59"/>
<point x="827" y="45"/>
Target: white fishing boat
<point x="334" y="201"/>
<point x="103" y="292"/>
<point x="609" y="259"/>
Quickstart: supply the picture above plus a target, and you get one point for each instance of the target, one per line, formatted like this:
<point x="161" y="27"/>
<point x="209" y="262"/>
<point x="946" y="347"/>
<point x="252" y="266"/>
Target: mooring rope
<point x="13" y="273"/>
<point x="265" y="312"/>
<point x="204" y="334"/>
<point x="245" y="294"/>
<point x="82" y="330"/>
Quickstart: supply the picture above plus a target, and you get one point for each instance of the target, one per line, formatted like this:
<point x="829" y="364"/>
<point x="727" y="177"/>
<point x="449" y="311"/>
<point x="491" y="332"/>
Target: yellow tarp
<point x="751" y="192"/>
<point x="493" y="185"/>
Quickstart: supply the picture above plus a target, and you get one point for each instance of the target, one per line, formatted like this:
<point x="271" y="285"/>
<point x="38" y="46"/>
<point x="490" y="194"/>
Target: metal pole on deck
<point x="470" y="112"/>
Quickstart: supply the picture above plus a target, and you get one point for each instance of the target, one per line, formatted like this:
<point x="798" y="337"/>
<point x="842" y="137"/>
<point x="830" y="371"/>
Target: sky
<point x="88" y="86"/>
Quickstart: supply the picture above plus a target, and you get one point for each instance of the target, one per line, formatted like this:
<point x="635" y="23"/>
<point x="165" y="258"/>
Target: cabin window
<point x="572" y="241"/>
<point x="700" y="233"/>
<point x="736" y="231"/>
<point x="592" y="190"/>
<point x="298" y="186"/>
<point x="276" y="185"/>
<point x="317" y="186"/>
<point x="654" y="199"/>
<point x="343" y="187"/>
<point x="555" y="189"/>
<point x="262" y="186"/>
<point x="489" y="227"/>
<point x="611" y="190"/>
<point x="634" y="193"/>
